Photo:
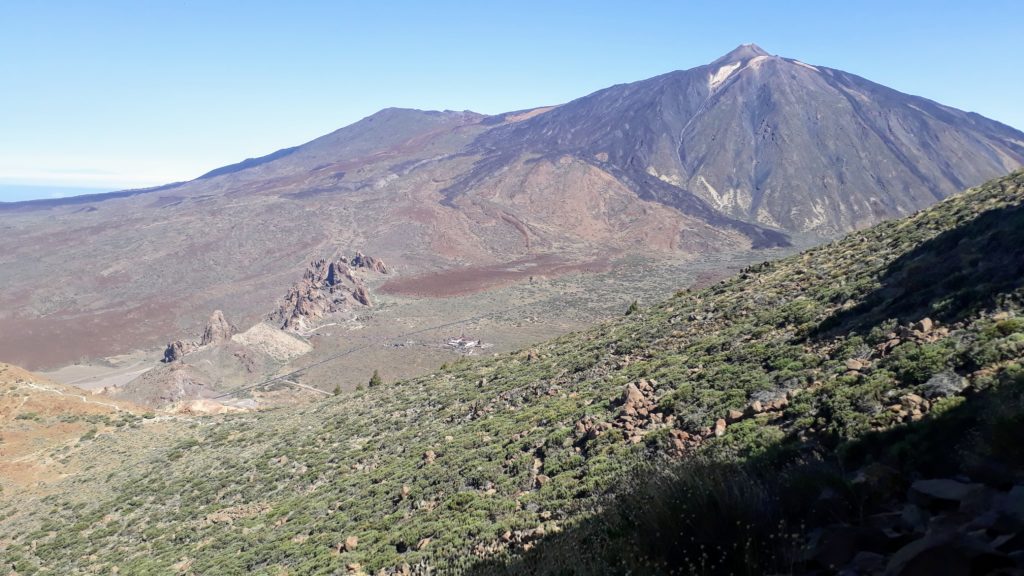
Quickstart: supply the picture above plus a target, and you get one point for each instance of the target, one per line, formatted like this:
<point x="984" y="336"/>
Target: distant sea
<point x="18" y="192"/>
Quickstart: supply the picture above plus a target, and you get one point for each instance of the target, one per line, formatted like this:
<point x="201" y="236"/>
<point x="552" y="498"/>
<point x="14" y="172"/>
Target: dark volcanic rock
<point x="953" y="555"/>
<point x="944" y="384"/>
<point x="176" y="350"/>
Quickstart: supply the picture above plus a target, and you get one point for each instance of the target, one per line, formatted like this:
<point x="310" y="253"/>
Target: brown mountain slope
<point x="749" y="151"/>
<point x="42" y="421"/>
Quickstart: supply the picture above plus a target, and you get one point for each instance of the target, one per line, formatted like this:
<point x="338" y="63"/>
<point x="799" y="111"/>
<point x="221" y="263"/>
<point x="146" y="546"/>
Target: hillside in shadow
<point x="799" y="508"/>
<point x="948" y="278"/>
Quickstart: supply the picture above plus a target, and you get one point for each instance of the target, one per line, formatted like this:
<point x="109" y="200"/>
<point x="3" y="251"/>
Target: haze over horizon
<point x="114" y="96"/>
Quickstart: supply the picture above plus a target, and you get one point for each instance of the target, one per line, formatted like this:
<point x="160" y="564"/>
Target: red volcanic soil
<point x="41" y="343"/>
<point x="472" y="279"/>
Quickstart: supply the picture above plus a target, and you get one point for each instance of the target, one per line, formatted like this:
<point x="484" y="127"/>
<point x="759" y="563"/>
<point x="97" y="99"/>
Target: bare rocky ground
<point x="406" y="335"/>
<point x="42" y="422"/>
<point x="99" y="374"/>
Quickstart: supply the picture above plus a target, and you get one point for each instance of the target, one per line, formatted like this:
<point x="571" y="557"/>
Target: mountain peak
<point x="743" y="52"/>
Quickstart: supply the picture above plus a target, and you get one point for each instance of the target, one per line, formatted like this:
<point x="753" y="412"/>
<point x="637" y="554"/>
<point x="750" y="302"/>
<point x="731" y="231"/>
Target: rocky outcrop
<point x="177" y="350"/>
<point x="640" y="411"/>
<point x="922" y="331"/>
<point x="517" y="540"/>
<point x="166" y="386"/>
<point x="362" y="296"/>
<point x="938" y="526"/>
<point x="218" y="330"/>
<point x="639" y="414"/>
<point x="369" y="262"/>
<point x="327" y="287"/>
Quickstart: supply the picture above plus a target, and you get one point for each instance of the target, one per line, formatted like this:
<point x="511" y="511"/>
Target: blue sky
<point x="111" y="95"/>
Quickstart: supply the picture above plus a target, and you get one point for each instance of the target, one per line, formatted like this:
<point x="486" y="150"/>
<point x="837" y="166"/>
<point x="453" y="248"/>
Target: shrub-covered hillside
<point x="523" y="458"/>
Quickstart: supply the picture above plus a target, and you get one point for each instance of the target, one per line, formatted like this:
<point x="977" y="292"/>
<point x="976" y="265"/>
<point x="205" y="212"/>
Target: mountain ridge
<point x="759" y="152"/>
<point x="741" y="56"/>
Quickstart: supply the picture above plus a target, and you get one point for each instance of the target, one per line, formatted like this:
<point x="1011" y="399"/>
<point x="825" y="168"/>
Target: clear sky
<point x="110" y="95"/>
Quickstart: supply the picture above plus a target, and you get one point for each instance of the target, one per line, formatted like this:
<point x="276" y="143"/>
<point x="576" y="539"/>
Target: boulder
<point x="941" y="493"/>
<point x="829" y="507"/>
<point x="719" y="429"/>
<point x="889" y="345"/>
<point x="679" y="441"/>
<point x="632" y="399"/>
<point x="914" y="518"/>
<point x="978" y="502"/>
<point x="912" y="401"/>
<point x="867" y="563"/>
<point x="924" y="325"/>
<point x="944" y="384"/>
<point x="177" y="350"/>
<point x="879" y="480"/>
<point x="1012" y="505"/>
<point x="855" y="364"/>
<point x="834" y="546"/>
<point x="951" y="555"/>
<point x="350" y="543"/>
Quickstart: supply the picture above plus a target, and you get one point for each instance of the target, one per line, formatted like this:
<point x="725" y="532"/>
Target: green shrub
<point x="915" y="363"/>
<point x="633" y="308"/>
<point x="375" y="380"/>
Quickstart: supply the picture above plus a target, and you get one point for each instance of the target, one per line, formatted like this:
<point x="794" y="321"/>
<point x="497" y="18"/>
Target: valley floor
<point x="863" y="398"/>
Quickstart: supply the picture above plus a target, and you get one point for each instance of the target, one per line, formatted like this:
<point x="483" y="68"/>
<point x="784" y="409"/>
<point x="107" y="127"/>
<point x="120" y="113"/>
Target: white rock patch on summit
<point x="716" y="79"/>
<point x="756" y="61"/>
<point x="799" y="63"/>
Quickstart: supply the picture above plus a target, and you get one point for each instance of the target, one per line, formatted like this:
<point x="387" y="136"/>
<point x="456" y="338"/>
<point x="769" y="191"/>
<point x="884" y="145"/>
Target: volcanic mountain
<point x="769" y="140"/>
<point x="750" y="151"/>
